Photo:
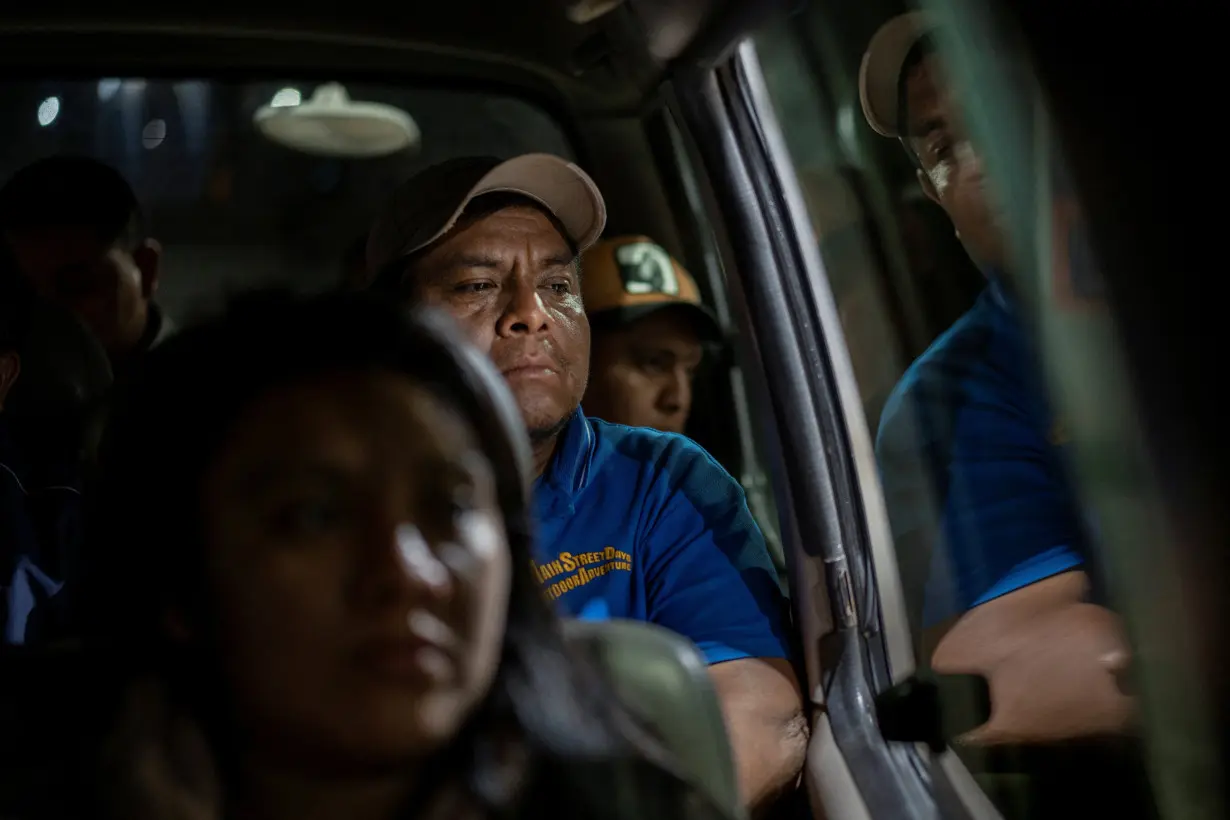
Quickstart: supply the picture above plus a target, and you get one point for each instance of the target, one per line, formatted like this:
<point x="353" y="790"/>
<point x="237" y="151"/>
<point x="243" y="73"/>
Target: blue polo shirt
<point x="972" y="468"/>
<point x="636" y="523"/>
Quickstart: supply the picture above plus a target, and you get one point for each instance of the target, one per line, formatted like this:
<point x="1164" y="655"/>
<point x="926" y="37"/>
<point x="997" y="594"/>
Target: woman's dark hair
<point x="145" y="554"/>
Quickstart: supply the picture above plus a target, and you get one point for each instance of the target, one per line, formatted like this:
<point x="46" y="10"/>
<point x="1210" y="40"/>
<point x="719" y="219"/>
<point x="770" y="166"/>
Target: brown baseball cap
<point x="880" y="71"/>
<point x="627" y="277"/>
<point x="426" y="206"/>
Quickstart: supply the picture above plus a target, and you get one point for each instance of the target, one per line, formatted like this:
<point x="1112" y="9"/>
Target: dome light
<point x="48" y="110"/>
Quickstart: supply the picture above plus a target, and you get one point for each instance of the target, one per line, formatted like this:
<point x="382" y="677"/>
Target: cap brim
<point x="881" y="69"/>
<point x="707" y="326"/>
<point x="556" y="184"/>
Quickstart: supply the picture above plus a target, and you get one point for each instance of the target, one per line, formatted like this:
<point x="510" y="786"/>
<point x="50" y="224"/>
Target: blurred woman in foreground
<point x="311" y="571"/>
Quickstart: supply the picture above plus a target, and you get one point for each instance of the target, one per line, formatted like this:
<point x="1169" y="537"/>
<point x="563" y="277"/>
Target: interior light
<point x="587" y="11"/>
<point x="330" y="124"/>
<point x="48" y="110"/>
<point x="154" y="132"/>
<point x="286" y="98"/>
<point x="107" y="88"/>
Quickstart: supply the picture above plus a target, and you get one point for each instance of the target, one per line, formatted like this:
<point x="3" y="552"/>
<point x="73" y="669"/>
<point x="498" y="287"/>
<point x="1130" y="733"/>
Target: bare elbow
<point x="771" y="760"/>
<point x="794" y="734"/>
<point x="767" y="726"/>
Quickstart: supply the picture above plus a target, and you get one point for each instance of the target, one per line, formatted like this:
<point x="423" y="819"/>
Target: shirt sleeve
<point x="708" y="573"/>
<point x="1009" y="517"/>
<point x="977" y="497"/>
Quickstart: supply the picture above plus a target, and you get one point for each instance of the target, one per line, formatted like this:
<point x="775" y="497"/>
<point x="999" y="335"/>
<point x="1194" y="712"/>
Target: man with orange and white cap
<point x="991" y="541"/>
<point x="649" y="330"/>
<point x="632" y="523"/>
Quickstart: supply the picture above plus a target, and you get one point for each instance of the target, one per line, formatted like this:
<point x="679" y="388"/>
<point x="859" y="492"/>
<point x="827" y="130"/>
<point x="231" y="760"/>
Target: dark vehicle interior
<point x="812" y="242"/>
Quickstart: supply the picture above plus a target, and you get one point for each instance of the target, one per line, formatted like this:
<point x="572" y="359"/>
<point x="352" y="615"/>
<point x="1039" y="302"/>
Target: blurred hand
<point x="158" y="765"/>
<point x="1055" y="665"/>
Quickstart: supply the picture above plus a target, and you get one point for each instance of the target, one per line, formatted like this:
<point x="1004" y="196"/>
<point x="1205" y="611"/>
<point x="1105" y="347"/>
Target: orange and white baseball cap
<point x="426" y="206"/>
<point x="628" y="277"/>
<point x="880" y="72"/>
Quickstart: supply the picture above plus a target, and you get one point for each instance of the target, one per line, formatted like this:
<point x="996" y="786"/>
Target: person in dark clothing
<point x="21" y="579"/>
<point x="53" y="379"/>
<point x="75" y="229"/>
<point x="319" y="601"/>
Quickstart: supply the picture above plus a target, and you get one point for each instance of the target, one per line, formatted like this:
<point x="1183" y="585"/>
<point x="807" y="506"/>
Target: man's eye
<point x="655" y="364"/>
<point x="473" y="287"/>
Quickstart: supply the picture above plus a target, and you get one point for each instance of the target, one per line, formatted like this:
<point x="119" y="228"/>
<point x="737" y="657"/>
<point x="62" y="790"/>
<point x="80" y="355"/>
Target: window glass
<point x="969" y="301"/>
<point x="232" y="208"/>
<point x="752" y="471"/>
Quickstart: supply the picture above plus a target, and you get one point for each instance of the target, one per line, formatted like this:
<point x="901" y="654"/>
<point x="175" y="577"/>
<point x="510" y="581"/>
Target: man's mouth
<point x="529" y="366"/>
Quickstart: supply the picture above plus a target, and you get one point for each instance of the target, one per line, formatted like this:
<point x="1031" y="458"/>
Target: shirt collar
<point x="569" y="471"/>
<point x="157" y="327"/>
<point x="997" y="291"/>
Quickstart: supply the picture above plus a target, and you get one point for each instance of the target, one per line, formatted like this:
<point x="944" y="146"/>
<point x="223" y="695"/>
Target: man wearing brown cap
<point x="633" y="523"/>
<point x="991" y="541"/>
<point x="649" y="331"/>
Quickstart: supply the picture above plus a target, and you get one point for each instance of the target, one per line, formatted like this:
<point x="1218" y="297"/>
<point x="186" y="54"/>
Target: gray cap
<point x="880" y="71"/>
<point x="426" y="206"/>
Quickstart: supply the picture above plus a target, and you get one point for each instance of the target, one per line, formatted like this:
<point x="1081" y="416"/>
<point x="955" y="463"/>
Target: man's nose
<point x="399" y="563"/>
<point x="676" y="396"/>
<point x="524" y="312"/>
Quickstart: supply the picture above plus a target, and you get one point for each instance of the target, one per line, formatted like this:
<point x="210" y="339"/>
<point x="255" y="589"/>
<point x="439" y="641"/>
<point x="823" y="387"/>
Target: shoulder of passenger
<point x="932" y="381"/>
<point x="669" y="465"/>
<point x="669" y="456"/>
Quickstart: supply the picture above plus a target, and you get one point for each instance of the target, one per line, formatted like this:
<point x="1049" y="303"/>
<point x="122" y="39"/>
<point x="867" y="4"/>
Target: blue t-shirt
<point x="972" y="470"/>
<point x="636" y="523"/>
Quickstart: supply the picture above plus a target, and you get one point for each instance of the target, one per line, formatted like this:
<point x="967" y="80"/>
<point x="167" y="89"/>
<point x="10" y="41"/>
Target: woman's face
<point x="360" y="570"/>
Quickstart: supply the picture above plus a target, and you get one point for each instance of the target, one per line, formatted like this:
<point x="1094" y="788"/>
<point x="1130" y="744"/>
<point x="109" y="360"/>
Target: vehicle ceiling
<point x="596" y="78"/>
<point x="603" y="66"/>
